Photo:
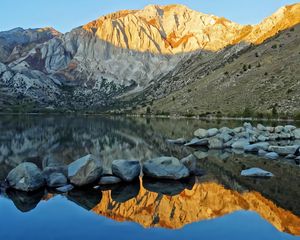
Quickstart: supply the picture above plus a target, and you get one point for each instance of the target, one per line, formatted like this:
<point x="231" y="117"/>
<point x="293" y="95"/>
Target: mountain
<point x="122" y="56"/>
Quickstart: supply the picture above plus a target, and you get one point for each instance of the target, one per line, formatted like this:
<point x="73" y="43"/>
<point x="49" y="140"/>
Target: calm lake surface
<point x="218" y="205"/>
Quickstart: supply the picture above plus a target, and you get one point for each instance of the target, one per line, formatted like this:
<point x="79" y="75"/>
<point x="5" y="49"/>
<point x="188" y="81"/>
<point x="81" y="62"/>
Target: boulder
<point x="197" y="142"/>
<point x="56" y="180"/>
<point x="247" y="125"/>
<point x="127" y="170"/>
<point x="256" y="172"/>
<point x="108" y="180"/>
<point x="201" y="133"/>
<point x="165" y="168"/>
<point x="270" y="129"/>
<point x="256" y="147"/>
<point x="279" y="129"/>
<point x="26" y="177"/>
<point x="289" y="128"/>
<point x="261" y="127"/>
<point x="284" y="150"/>
<point x="225" y="136"/>
<point x="238" y="129"/>
<point x="272" y="155"/>
<point x="240" y="144"/>
<point x="215" y="143"/>
<point x="190" y="162"/>
<point x="296" y="133"/>
<point x="291" y="156"/>
<point x="262" y="138"/>
<point x="84" y="171"/>
<point x="212" y="132"/>
<point x="262" y="152"/>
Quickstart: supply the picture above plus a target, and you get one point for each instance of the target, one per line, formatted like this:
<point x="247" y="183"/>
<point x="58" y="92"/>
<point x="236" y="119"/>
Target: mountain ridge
<point x="124" y="53"/>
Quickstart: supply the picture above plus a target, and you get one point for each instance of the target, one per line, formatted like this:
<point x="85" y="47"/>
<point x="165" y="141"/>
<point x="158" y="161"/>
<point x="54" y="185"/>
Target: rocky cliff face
<point x="119" y="54"/>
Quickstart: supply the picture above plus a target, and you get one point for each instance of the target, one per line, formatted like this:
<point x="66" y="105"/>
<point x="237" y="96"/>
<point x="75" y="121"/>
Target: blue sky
<point x="67" y="14"/>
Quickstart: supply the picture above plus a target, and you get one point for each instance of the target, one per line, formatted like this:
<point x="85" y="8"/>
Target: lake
<point x="218" y="205"/>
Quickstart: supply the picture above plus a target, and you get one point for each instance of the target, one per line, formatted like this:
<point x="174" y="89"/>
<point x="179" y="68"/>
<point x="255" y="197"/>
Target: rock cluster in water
<point x="88" y="171"/>
<point x="270" y="142"/>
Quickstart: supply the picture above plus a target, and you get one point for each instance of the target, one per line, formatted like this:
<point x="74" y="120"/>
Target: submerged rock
<point x="26" y="177"/>
<point x="65" y="189"/>
<point x="165" y="168"/>
<point x="108" y="180"/>
<point x="84" y="171"/>
<point x="256" y="147"/>
<point x="197" y="142"/>
<point x="256" y="172"/>
<point x="177" y="141"/>
<point x="127" y="170"/>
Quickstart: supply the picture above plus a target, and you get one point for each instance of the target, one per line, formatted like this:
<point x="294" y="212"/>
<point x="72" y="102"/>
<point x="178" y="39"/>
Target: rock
<point x="238" y="129"/>
<point x="65" y="189"/>
<point x="296" y="133"/>
<point x="270" y="129"/>
<point x="225" y="136"/>
<point x="56" y="180"/>
<point x="197" y="142"/>
<point x="279" y="129"/>
<point x="177" y="141"/>
<point x="26" y="177"/>
<point x="108" y="180"/>
<point x="84" y="171"/>
<point x="256" y="172"/>
<point x="256" y="147"/>
<point x="290" y="156"/>
<point x="212" y="132"/>
<point x="229" y="143"/>
<point x="201" y="133"/>
<point x="165" y="168"/>
<point x="262" y="138"/>
<point x="240" y="144"/>
<point x="261" y="127"/>
<point x="262" y="152"/>
<point x="285" y="150"/>
<point x="190" y="162"/>
<point x="247" y="125"/>
<point x="272" y="155"/>
<point x="126" y="170"/>
<point x="200" y="155"/>
<point x="289" y="128"/>
<point x="215" y="143"/>
<point x="3" y="68"/>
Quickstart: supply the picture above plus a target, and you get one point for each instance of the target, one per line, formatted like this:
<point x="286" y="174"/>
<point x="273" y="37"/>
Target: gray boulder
<point x="256" y="172"/>
<point x="215" y="143"/>
<point x="256" y="147"/>
<point x="212" y="132"/>
<point x="200" y="155"/>
<point x="56" y="180"/>
<point x="240" y="144"/>
<point x="84" y="171"/>
<point x="165" y="168"/>
<point x="289" y="128"/>
<point x="279" y="129"/>
<point x="296" y="133"/>
<point x="261" y="127"/>
<point x="201" y="133"/>
<point x="262" y="152"/>
<point x="127" y="170"/>
<point x="284" y="150"/>
<point x="26" y="177"/>
<point x="272" y="155"/>
<point x="109" y="180"/>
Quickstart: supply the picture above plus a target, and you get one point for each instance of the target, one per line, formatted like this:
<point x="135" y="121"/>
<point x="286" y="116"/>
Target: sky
<point x="65" y="15"/>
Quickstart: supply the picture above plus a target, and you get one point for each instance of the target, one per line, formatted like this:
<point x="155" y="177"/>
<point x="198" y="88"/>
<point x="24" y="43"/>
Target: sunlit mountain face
<point x="125" y="58"/>
<point x="171" y="205"/>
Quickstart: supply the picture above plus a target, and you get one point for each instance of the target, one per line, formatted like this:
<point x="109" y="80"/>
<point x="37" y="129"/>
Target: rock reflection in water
<point x="24" y="201"/>
<point x="123" y="192"/>
<point x="85" y="198"/>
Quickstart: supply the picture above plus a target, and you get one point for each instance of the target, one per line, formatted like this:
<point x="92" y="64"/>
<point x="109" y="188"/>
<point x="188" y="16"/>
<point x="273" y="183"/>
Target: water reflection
<point x="167" y="204"/>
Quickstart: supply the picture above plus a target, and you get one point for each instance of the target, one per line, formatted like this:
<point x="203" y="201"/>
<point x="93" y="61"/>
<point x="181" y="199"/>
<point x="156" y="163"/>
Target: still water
<point x="218" y="205"/>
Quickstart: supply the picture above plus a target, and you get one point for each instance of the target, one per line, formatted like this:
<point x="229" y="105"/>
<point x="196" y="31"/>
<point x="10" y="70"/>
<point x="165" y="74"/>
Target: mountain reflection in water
<point x="164" y="204"/>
